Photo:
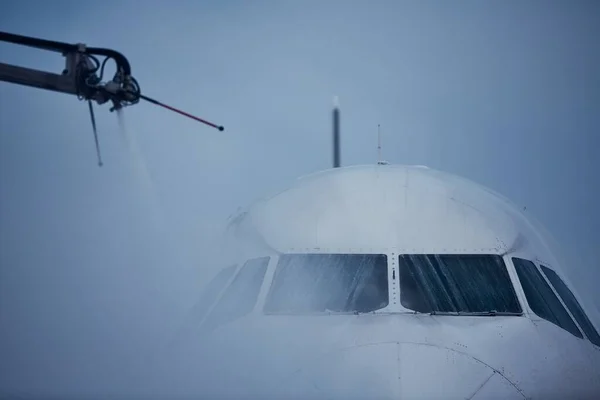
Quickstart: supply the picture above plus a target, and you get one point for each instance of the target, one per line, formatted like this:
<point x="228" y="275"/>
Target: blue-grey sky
<point x="506" y="93"/>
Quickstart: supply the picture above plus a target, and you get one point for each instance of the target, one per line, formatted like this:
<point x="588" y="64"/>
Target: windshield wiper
<point x="491" y="313"/>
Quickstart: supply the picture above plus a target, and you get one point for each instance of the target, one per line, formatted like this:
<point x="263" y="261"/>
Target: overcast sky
<point x="506" y="93"/>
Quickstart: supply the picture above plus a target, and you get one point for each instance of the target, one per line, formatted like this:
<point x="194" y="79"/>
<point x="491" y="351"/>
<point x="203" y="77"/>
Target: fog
<point x="100" y="267"/>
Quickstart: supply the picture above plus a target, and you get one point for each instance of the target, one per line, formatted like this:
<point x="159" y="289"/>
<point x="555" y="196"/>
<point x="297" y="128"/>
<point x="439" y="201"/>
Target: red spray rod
<point x="158" y="103"/>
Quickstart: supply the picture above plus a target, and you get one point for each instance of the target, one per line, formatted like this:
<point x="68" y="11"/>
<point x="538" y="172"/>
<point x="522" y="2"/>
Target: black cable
<point x="122" y="62"/>
<point x="64" y="48"/>
<point x="37" y="43"/>
<point x="101" y="75"/>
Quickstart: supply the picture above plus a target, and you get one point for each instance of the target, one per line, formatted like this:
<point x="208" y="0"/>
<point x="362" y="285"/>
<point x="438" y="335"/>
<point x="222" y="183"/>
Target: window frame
<point x="265" y="294"/>
<point x="394" y="286"/>
<point x="549" y="266"/>
<point x="512" y="276"/>
<point x="530" y="313"/>
<point x="217" y="298"/>
<point x="239" y="267"/>
<point x="517" y="287"/>
<point x="527" y="310"/>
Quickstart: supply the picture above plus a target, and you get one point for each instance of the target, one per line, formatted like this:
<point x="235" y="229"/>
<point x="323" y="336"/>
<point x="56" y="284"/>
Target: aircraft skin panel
<point x="429" y="371"/>
<point x="496" y="388"/>
<point x="434" y="351"/>
<point x="337" y="376"/>
<point x="393" y="352"/>
<point x="390" y="207"/>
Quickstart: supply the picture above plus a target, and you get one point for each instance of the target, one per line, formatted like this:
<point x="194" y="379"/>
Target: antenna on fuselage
<point x="379" y="159"/>
<point x="336" y="132"/>
<point x="378" y="143"/>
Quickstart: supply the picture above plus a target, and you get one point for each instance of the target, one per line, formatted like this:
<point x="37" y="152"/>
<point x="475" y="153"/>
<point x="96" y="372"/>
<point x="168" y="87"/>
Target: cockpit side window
<point x="240" y="297"/>
<point x="572" y="304"/>
<point x="211" y="291"/>
<point x="541" y="298"/>
<point x="314" y="283"/>
<point x="456" y="283"/>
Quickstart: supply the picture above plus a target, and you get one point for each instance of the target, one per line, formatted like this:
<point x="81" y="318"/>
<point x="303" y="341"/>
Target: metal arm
<point x="83" y="76"/>
<point x="80" y="76"/>
<point x="38" y="79"/>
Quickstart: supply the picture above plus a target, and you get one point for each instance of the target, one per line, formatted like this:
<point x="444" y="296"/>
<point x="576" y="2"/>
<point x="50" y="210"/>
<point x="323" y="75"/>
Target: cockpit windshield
<point x="463" y="284"/>
<point x="314" y="283"/>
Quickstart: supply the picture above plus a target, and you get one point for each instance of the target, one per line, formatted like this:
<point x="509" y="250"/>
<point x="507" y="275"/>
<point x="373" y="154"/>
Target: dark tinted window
<point x="240" y="297"/>
<point x="211" y="291"/>
<point x="456" y="283"/>
<point x="541" y="298"/>
<point x="571" y="302"/>
<point x="308" y="283"/>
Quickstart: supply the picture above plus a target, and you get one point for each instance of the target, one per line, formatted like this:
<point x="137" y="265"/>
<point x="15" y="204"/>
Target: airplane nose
<point x="399" y="371"/>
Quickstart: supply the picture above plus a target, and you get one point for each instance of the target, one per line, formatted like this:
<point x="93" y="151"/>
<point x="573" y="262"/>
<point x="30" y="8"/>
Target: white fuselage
<point x="394" y="352"/>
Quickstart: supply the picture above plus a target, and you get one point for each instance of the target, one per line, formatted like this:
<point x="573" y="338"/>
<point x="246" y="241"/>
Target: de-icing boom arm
<point x="83" y="76"/>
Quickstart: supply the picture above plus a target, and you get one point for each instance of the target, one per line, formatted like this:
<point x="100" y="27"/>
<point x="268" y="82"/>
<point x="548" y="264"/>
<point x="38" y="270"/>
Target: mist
<point x="100" y="267"/>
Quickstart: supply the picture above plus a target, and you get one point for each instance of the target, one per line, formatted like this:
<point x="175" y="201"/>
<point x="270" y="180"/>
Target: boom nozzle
<point x="158" y="103"/>
<point x="83" y="76"/>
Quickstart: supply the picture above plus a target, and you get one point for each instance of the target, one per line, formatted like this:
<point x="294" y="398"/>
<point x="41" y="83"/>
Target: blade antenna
<point x="95" y="132"/>
<point x="158" y="103"/>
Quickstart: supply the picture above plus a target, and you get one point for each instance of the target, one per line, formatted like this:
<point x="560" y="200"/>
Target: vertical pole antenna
<point x="379" y="144"/>
<point x="380" y="160"/>
<point x="336" y="132"/>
